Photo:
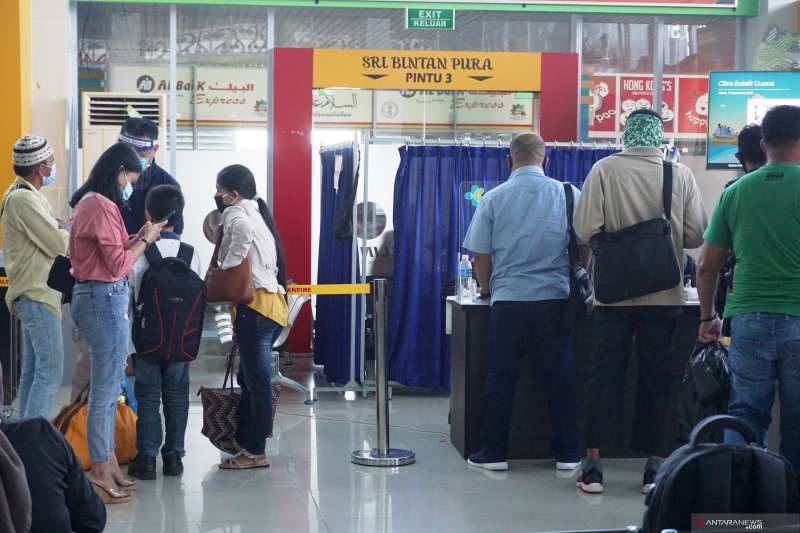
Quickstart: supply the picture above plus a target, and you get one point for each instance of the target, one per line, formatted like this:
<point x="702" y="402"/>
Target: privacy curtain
<point x="572" y="165"/>
<point x="333" y="326"/>
<point x="431" y="215"/>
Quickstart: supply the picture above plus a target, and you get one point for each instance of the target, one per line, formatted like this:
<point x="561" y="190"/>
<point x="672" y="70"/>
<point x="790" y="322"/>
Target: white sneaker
<point x="567" y="466"/>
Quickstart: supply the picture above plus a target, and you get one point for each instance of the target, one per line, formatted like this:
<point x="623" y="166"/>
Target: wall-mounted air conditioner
<point x="103" y="115"/>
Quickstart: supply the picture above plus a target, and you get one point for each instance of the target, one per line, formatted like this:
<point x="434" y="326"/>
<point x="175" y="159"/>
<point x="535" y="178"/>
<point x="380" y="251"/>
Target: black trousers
<point x="531" y="329"/>
<point x="614" y="329"/>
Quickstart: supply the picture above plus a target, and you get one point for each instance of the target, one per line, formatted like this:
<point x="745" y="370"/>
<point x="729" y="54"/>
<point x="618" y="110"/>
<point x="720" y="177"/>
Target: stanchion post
<point x="383" y="455"/>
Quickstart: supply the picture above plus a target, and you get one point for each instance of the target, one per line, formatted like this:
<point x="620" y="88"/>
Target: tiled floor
<point x="312" y="485"/>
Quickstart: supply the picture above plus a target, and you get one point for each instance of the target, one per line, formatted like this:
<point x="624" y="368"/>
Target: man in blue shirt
<point x="520" y="237"/>
<point x="142" y="135"/>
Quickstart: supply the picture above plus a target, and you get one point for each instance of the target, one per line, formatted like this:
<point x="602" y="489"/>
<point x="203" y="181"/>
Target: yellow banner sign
<point x="343" y="288"/>
<point x="427" y="70"/>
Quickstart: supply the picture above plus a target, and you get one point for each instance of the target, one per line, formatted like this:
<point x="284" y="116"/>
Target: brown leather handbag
<point x="231" y="285"/>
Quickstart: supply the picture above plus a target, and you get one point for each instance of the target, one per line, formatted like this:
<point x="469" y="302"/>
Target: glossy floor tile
<point x="311" y="485"/>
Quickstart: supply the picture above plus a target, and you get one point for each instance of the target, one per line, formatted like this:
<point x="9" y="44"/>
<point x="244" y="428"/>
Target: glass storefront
<point x="223" y="76"/>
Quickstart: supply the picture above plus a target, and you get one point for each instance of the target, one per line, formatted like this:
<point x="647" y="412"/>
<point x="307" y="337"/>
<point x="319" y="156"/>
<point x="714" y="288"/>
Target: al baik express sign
<point x="219" y="96"/>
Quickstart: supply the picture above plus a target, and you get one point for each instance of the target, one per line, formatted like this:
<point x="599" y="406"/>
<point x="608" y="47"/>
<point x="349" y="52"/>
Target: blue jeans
<point x="42" y="358"/>
<point x="530" y="329"/>
<point x="255" y="334"/>
<point x="764" y="348"/>
<point x="157" y="382"/>
<point x="100" y="311"/>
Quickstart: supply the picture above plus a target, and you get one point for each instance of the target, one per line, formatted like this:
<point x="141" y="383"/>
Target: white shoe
<point x="567" y="466"/>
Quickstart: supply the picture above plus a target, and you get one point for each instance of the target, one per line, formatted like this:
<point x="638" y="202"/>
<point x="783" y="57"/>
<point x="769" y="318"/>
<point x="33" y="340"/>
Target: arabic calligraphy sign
<point x="218" y="96"/>
<point x="427" y="70"/>
<point x="434" y="109"/>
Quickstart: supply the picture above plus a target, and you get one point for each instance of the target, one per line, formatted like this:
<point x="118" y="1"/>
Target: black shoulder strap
<point x="666" y="189"/>
<point x="573" y="243"/>
<point x="570" y="203"/>
<point x="152" y="254"/>
<point x="186" y="253"/>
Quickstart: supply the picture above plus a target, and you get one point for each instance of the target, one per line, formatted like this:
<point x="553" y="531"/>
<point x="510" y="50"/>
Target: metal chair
<point x="295" y="303"/>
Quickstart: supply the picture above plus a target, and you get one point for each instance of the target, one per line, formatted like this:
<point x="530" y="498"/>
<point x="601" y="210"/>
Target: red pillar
<point x="558" y="99"/>
<point x="292" y="160"/>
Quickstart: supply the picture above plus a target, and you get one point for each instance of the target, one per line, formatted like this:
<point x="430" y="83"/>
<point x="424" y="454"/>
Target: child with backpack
<point x="169" y="302"/>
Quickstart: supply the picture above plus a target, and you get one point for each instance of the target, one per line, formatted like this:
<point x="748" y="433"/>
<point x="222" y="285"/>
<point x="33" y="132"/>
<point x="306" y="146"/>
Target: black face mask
<point x="220" y="206"/>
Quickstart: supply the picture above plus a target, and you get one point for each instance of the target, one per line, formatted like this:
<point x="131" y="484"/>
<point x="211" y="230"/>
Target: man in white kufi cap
<point x="32" y="238"/>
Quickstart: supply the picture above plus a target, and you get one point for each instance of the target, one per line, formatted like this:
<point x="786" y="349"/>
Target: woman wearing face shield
<point x="102" y="256"/>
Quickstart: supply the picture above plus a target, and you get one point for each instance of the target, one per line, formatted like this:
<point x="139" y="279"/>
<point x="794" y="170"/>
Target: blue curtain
<point x="333" y="327"/>
<point x="572" y="165"/>
<point x="431" y="215"/>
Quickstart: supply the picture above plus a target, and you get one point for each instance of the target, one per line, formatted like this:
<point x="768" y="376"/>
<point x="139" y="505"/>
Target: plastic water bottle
<point x="465" y="279"/>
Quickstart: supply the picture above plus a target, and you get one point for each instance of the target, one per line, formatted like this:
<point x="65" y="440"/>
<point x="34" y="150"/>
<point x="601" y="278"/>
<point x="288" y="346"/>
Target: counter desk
<point x="530" y="427"/>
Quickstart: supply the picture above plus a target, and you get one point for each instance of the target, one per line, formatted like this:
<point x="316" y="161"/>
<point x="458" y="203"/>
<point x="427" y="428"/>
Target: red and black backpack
<point x="169" y="307"/>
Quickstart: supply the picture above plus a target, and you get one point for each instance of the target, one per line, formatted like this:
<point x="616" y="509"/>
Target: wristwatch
<point x="146" y="243"/>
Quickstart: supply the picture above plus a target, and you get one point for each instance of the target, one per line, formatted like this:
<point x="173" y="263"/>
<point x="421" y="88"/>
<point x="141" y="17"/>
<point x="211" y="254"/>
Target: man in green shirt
<point x="759" y="217"/>
<point x="32" y="238"/>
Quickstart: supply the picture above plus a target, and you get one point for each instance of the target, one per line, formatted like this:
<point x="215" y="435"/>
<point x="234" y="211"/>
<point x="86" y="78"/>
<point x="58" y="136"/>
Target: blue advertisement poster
<point x="736" y="99"/>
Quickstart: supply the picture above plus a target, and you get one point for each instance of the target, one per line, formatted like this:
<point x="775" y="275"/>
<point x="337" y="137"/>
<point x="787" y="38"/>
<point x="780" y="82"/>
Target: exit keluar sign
<point x="430" y="19"/>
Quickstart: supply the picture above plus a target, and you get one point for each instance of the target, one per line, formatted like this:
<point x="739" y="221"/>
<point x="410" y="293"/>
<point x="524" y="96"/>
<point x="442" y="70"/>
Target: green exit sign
<point x="430" y="19"/>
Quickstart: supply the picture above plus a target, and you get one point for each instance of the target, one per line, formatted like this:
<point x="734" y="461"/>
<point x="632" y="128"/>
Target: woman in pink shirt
<point x="102" y="256"/>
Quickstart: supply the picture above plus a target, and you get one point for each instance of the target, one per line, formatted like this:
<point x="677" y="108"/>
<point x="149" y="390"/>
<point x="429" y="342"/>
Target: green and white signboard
<point x="430" y="19"/>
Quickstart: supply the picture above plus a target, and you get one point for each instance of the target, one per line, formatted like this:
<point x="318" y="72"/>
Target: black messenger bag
<point x="639" y="259"/>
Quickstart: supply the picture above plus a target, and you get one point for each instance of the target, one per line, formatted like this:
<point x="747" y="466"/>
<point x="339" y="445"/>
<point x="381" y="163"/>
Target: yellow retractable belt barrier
<point x="343" y="288"/>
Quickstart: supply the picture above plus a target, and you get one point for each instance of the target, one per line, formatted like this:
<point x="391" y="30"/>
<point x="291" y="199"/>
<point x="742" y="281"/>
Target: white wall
<point x="197" y="174"/>
<point x="50" y="77"/>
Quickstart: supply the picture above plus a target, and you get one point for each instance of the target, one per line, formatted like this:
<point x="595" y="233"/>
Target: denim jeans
<point x="100" y="311"/>
<point x="255" y="334"/>
<point x="613" y="331"/>
<point x="765" y="347"/>
<point x="530" y="329"/>
<point x="42" y="358"/>
<point x="157" y="382"/>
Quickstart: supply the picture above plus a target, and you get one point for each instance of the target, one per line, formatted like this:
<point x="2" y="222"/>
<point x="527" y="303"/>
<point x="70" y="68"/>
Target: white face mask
<point x="47" y="180"/>
<point x="128" y="189"/>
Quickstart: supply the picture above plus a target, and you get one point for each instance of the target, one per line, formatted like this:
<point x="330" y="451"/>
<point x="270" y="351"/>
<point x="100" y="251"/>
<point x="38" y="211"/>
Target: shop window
<point x="383" y="29"/>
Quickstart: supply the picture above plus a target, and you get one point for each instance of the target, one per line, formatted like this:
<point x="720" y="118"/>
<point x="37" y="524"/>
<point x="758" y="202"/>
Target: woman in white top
<point x="249" y="231"/>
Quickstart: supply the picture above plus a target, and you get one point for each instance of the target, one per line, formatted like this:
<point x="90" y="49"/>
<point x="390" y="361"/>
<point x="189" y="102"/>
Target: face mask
<point x="221" y="206"/>
<point x="145" y="161"/>
<point x="47" y="180"/>
<point x="127" y="190"/>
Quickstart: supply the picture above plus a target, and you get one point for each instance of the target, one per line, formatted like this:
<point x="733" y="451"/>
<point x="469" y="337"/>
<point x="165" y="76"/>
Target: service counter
<point x="530" y="426"/>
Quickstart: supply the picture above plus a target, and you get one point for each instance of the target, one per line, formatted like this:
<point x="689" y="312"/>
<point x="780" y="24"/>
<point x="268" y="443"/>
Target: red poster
<point x="693" y="105"/>
<point x="605" y="106"/>
<point x="636" y="92"/>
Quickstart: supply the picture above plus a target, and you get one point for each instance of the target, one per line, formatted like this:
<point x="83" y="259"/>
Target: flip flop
<point x="243" y="460"/>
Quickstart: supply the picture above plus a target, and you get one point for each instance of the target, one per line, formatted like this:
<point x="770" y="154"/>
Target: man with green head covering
<point x="620" y="191"/>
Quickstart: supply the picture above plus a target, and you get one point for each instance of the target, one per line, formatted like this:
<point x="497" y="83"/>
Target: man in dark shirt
<point x="142" y="135"/>
<point x="64" y="499"/>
